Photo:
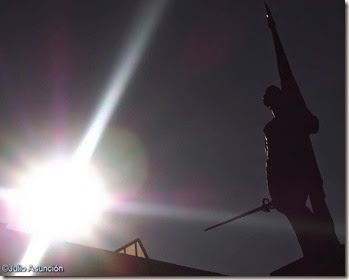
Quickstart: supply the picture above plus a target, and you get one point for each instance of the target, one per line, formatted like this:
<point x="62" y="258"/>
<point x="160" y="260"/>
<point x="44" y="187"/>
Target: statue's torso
<point x="291" y="161"/>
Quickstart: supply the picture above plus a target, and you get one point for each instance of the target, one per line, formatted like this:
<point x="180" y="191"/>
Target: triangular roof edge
<point x="137" y="240"/>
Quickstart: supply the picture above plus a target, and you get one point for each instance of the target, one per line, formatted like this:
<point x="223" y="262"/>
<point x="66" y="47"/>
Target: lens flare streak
<point x="36" y="249"/>
<point x="130" y="57"/>
<point x="131" y="54"/>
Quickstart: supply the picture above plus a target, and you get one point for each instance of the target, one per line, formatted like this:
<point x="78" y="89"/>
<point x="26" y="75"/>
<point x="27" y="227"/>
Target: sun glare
<point x="59" y="199"/>
<point x="64" y="199"/>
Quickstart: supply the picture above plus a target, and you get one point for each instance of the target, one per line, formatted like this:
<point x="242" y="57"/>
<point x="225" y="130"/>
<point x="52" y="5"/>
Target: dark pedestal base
<point x="330" y="266"/>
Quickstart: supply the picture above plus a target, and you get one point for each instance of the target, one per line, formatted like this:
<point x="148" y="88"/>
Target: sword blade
<point x="236" y="218"/>
<point x="267" y="9"/>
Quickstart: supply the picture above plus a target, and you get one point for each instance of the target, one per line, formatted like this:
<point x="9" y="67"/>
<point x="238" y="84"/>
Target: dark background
<point x="185" y="147"/>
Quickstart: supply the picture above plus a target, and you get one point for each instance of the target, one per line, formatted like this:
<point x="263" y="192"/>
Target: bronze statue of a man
<point x="292" y="172"/>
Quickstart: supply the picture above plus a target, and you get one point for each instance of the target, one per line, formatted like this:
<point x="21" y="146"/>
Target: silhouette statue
<point x="293" y="175"/>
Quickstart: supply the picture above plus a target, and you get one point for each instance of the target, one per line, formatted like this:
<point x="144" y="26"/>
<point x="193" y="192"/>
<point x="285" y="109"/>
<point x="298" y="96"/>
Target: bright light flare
<point x="59" y="200"/>
<point x="36" y="249"/>
<point x="148" y="19"/>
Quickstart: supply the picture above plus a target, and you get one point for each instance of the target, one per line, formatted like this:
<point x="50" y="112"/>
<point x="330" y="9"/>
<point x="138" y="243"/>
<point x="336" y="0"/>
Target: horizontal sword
<point x="266" y="207"/>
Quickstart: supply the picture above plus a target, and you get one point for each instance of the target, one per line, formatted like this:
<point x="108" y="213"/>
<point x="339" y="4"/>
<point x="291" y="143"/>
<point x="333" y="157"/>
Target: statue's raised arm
<point x="289" y="85"/>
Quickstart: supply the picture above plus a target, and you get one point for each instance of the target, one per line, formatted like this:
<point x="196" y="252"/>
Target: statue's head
<point x="273" y="98"/>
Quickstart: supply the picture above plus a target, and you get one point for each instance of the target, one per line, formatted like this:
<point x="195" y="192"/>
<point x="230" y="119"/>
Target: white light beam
<point x="130" y="57"/>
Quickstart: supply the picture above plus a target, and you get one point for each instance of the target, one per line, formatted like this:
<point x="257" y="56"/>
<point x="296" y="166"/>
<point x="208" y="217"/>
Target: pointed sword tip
<point x="267" y="9"/>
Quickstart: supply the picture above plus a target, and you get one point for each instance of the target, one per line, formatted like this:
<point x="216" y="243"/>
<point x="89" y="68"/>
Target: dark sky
<point x="185" y="146"/>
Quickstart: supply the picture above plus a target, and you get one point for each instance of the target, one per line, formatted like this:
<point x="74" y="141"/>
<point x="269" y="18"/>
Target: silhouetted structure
<point x="305" y="267"/>
<point x="292" y="171"/>
<point x="78" y="260"/>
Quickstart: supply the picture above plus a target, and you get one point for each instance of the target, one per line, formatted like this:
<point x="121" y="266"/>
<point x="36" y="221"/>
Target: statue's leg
<point x="302" y="222"/>
<point x="325" y="225"/>
<point x="292" y="204"/>
<point x="291" y="201"/>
